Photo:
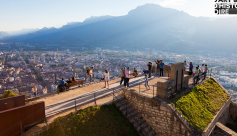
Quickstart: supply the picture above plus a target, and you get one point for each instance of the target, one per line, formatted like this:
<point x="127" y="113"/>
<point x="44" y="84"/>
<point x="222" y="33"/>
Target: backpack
<point x="87" y="71"/>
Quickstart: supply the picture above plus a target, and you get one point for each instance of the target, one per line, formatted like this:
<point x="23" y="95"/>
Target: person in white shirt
<point x="45" y="90"/>
<point x="91" y="74"/>
<point x="202" y="68"/>
<point x="127" y="76"/>
<point x="106" y="77"/>
<point x="34" y="90"/>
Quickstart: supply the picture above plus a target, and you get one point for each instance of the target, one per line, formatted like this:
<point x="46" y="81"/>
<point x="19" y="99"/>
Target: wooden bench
<point x="75" y="83"/>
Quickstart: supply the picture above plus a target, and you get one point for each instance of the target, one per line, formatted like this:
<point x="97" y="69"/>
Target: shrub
<point x="8" y="93"/>
<point x="201" y="105"/>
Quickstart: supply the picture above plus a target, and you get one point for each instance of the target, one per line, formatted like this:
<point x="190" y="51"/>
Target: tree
<point x="3" y="61"/>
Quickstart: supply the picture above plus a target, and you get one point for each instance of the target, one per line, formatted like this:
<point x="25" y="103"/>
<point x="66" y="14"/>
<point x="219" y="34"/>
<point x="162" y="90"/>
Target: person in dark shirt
<point x="149" y="69"/>
<point x="135" y="72"/>
<point x="191" y="67"/>
<point x="69" y="80"/>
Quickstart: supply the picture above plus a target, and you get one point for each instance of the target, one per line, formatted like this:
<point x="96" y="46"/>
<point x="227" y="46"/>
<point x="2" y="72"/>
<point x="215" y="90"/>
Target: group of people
<point x="159" y="67"/>
<point x="198" y="71"/>
<point x="34" y="90"/>
<point x="125" y="75"/>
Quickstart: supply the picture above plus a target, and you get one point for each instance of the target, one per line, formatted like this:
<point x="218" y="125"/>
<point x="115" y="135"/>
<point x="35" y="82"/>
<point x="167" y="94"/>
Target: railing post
<point x="153" y="90"/>
<point x="75" y="105"/>
<point x="113" y="94"/>
<point x="139" y="88"/>
<point x="94" y="99"/>
<point x="46" y="121"/>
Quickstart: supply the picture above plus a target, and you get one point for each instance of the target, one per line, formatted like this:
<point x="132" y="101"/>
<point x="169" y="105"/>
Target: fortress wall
<point x="232" y="116"/>
<point x="158" y="114"/>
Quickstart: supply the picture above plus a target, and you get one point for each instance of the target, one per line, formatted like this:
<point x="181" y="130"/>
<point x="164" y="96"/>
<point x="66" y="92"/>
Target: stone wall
<point x="232" y="117"/>
<point x="158" y="115"/>
<point x="177" y="82"/>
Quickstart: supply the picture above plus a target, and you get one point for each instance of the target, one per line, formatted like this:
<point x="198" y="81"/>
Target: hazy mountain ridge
<point x="147" y="26"/>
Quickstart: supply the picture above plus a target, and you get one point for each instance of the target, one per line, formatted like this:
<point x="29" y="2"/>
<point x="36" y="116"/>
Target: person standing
<point x="149" y="69"/>
<point x="157" y="66"/>
<point x="161" y="67"/>
<point x="195" y="76"/>
<point x="34" y="90"/>
<point x="122" y="75"/>
<point x="127" y="76"/>
<point x="185" y="64"/>
<point x="205" y="71"/>
<point x="135" y="72"/>
<point x="91" y="75"/>
<point x="45" y="90"/>
<point x="146" y="82"/>
<point x="106" y="77"/>
<point x="202" y="68"/>
<point x="191" y="67"/>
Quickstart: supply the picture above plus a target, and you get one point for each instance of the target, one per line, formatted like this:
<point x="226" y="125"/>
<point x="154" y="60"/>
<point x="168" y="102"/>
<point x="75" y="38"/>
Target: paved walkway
<point x="61" y="106"/>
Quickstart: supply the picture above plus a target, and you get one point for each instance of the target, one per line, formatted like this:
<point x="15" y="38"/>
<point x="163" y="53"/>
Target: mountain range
<point x="148" y="26"/>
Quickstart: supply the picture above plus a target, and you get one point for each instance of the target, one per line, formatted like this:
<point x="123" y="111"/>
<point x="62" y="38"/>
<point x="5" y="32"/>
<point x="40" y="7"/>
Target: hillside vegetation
<point x="8" y="93"/>
<point x="201" y="105"/>
<point x="106" y="120"/>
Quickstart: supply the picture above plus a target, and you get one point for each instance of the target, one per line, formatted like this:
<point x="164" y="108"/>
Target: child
<point x="146" y="82"/>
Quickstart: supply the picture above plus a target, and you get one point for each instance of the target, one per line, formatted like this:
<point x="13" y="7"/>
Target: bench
<point x="75" y="83"/>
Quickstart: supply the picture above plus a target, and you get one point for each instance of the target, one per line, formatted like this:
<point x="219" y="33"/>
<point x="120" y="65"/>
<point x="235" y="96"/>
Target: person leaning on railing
<point x="34" y="90"/>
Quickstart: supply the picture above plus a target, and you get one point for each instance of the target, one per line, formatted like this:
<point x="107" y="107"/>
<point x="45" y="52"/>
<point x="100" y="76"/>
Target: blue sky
<point x="19" y="14"/>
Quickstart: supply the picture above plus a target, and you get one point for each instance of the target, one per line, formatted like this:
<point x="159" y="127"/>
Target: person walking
<point x="34" y="90"/>
<point x="149" y="69"/>
<point x="127" y="76"/>
<point x="146" y="82"/>
<point x="161" y="67"/>
<point x="122" y="75"/>
<point x="106" y="77"/>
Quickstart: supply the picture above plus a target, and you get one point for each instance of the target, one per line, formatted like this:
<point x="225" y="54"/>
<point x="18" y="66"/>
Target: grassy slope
<point x="201" y="104"/>
<point x="93" y="121"/>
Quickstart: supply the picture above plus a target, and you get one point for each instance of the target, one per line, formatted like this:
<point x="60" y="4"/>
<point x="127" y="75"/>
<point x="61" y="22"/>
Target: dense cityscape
<point x="22" y="68"/>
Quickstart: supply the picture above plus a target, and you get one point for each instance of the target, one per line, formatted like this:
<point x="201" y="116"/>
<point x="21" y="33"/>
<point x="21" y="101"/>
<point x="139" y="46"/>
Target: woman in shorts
<point x="106" y="78"/>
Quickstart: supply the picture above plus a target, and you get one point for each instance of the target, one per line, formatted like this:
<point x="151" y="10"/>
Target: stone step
<point x="122" y="102"/>
<point x="138" y="122"/>
<point x="132" y="114"/>
<point x="151" y="133"/>
<point x="125" y="106"/>
<point x="128" y="111"/>
<point x="118" y="98"/>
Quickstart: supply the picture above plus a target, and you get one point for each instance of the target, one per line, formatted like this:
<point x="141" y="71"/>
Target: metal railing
<point x="174" y="89"/>
<point x="20" y="122"/>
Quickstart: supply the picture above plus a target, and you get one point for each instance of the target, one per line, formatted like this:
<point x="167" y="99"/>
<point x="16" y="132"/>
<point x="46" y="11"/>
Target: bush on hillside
<point x="8" y="93"/>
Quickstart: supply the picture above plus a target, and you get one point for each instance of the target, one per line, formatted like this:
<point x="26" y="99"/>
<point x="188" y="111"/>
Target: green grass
<point x="106" y="120"/>
<point x="201" y="104"/>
